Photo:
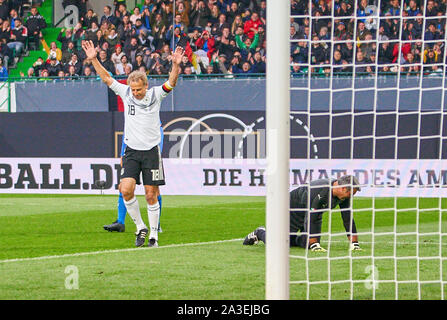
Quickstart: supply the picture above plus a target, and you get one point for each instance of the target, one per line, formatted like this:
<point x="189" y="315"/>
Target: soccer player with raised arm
<point x="323" y="194"/>
<point x="142" y="137"/>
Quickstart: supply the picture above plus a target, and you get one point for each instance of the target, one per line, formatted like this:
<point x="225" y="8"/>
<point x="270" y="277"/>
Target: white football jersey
<point x="141" y="117"/>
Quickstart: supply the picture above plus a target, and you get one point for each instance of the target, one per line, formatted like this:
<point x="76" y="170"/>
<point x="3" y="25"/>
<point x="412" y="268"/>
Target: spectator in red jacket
<point x="206" y="43"/>
<point x="251" y="25"/>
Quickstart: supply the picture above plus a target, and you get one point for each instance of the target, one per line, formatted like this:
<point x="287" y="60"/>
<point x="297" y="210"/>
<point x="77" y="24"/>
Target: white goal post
<point x="278" y="153"/>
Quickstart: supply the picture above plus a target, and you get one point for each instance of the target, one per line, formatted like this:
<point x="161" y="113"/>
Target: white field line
<point x="80" y="254"/>
<point x="401" y="243"/>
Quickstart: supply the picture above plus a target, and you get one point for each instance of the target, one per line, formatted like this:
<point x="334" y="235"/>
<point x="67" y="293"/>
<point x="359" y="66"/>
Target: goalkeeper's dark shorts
<point x="148" y="163"/>
<point x="299" y="219"/>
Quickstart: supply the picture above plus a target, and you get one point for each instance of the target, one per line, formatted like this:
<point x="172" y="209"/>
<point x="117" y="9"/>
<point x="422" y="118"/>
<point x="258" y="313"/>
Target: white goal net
<point x="367" y="98"/>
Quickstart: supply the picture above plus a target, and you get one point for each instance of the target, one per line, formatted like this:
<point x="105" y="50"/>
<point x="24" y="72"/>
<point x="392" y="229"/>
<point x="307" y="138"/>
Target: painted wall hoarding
<point x="248" y="94"/>
<point x="222" y="153"/>
<point x="381" y="178"/>
<point x="229" y="134"/>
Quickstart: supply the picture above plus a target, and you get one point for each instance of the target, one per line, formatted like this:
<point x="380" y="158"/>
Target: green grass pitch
<point x="201" y="255"/>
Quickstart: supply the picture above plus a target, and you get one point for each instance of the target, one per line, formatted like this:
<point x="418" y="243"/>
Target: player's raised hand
<point x="177" y="55"/>
<point x="89" y="49"/>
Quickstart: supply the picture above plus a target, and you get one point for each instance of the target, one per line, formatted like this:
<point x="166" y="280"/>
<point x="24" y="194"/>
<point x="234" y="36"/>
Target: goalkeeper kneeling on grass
<point x="324" y="194"/>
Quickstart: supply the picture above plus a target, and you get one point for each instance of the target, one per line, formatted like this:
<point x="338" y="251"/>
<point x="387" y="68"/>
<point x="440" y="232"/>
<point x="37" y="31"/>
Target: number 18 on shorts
<point x="147" y="162"/>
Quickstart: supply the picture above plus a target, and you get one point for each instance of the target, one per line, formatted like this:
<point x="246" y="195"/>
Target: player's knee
<point x="126" y="192"/>
<point x="151" y="196"/>
<point x="300" y="241"/>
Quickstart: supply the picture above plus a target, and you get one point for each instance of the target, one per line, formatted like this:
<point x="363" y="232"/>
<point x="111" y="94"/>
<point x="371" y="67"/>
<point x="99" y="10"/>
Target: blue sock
<point x="159" y="203"/>
<point x="121" y="209"/>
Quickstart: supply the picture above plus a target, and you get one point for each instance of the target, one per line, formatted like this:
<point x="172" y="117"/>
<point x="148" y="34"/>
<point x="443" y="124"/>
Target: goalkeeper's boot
<point x="152" y="243"/>
<point x="315" y="247"/>
<point x="252" y="238"/>
<point x="141" y="237"/>
<point x="116" y="226"/>
<point x="354" y="246"/>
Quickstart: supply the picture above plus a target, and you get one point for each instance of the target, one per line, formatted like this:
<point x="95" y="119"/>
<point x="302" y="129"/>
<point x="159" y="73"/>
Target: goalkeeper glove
<point x="354" y="246"/>
<point x="315" y="247"/>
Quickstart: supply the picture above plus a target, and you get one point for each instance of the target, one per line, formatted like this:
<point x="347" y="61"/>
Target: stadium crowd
<point x="229" y="37"/>
<point x="367" y="34"/>
<point x="16" y="32"/>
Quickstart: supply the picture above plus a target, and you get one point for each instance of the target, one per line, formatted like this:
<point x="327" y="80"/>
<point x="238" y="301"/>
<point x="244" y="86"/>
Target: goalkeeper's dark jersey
<point x="320" y="199"/>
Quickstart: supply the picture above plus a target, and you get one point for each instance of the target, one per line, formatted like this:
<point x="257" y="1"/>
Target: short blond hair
<point x="136" y="76"/>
